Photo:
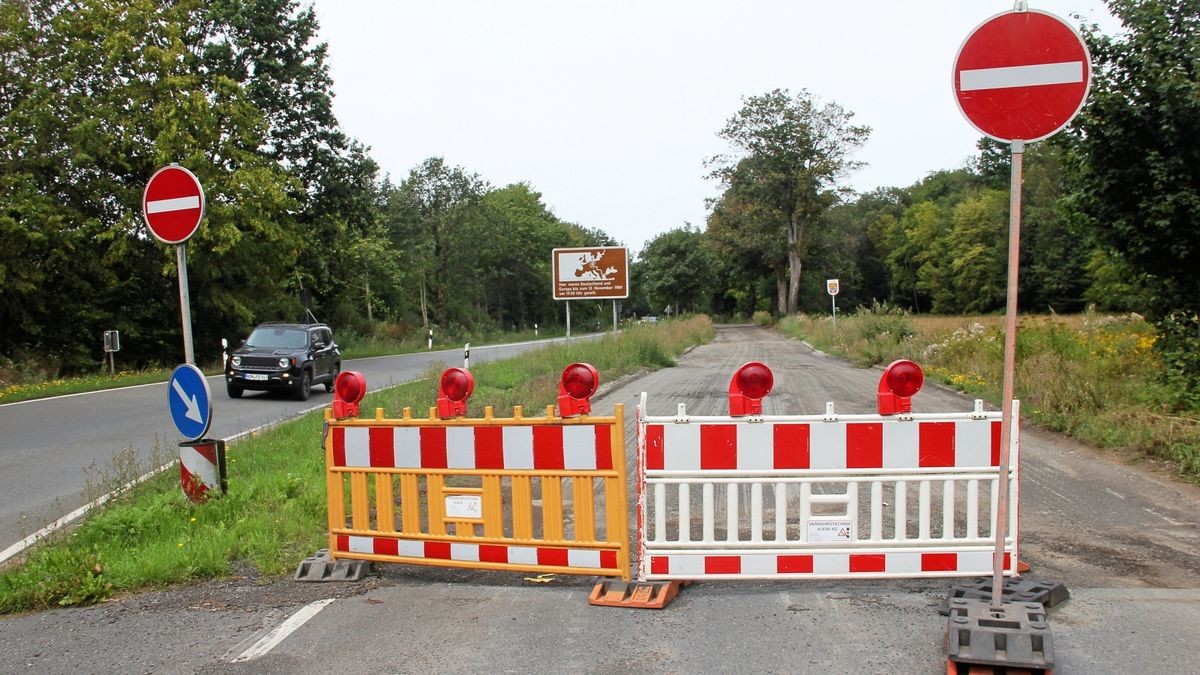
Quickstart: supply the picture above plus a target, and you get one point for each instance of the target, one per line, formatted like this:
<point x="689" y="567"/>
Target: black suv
<point x="284" y="357"/>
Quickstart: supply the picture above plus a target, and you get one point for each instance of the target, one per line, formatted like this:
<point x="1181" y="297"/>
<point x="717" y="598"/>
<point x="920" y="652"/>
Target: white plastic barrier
<point x="822" y="496"/>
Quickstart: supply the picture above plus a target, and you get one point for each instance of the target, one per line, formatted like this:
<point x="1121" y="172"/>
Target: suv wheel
<point x="233" y="390"/>
<point x="333" y="375"/>
<point x="305" y="386"/>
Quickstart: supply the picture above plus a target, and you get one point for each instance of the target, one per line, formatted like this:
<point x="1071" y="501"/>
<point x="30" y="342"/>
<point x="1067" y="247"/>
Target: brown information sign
<point x="590" y="273"/>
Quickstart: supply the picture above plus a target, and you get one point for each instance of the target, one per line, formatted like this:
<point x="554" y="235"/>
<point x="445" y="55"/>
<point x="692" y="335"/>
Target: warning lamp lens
<point x="755" y="380"/>
<point x="350" y="386"/>
<point x="456" y="384"/>
<point x="905" y="378"/>
<point x="579" y="380"/>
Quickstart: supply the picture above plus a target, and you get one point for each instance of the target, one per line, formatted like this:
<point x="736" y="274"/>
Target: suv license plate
<point x="256" y="377"/>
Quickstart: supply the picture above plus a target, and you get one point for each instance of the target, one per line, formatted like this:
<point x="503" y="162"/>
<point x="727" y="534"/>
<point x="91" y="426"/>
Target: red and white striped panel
<point x="832" y="564"/>
<point x="771" y="446"/>
<point x="545" y="556"/>
<point x="199" y="470"/>
<point x="535" y="448"/>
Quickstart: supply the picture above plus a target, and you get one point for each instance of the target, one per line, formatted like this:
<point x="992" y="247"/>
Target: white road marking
<point x="1156" y="513"/>
<point x="280" y="633"/>
<point x="176" y="204"/>
<point x="1070" y="72"/>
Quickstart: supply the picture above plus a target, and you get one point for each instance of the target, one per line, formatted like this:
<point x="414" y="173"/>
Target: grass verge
<point x="274" y="513"/>
<point x="1093" y="377"/>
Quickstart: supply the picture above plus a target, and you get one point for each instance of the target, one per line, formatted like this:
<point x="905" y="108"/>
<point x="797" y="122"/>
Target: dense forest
<point x="96" y="95"/>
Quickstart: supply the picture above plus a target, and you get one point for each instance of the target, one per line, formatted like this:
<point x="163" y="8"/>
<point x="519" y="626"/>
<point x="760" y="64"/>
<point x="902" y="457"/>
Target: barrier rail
<point x="821" y="496"/>
<point x="517" y="494"/>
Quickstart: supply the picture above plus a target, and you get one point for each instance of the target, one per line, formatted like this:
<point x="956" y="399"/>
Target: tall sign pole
<point x="173" y="206"/>
<point x="1020" y="76"/>
<point x="832" y="286"/>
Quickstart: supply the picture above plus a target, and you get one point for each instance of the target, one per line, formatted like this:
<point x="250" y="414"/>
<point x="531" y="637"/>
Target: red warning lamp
<point x="454" y="388"/>
<point x="749" y="385"/>
<point x="348" y="389"/>
<point x="579" y="381"/>
<point x="900" y="382"/>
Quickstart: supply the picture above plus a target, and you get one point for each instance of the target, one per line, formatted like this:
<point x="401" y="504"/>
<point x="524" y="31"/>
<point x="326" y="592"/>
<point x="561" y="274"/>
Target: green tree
<point x="743" y="233"/>
<point x="1138" y="167"/>
<point x="847" y="248"/>
<point x="679" y="269"/>
<point x="516" y="264"/>
<point x="270" y="49"/>
<point x="98" y="95"/>
<point x="789" y="154"/>
<point x="430" y="216"/>
<point x="977" y="251"/>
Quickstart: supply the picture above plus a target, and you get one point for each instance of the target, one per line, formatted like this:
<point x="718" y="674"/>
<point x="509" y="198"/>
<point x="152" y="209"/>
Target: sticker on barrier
<point x="528" y="494"/>
<point x="896" y="494"/>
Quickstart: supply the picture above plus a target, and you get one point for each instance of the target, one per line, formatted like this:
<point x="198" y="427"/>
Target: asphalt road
<point x="54" y="452"/>
<point x="1123" y="538"/>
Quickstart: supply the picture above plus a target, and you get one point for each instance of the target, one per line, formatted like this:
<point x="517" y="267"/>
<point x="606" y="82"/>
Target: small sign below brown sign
<point x="599" y="272"/>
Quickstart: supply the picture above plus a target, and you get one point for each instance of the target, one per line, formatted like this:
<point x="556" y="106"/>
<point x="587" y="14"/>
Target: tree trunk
<point x="794" y="266"/>
<point x="795" y="233"/>
<point x="782" y="292"/>
<point x="424" y="305"/>
<point x="367" y="289"/>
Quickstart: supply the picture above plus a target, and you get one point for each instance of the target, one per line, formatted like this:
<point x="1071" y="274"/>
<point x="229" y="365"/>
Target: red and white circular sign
<point x="1022" y="75"/>
<point x="173" y="204"/>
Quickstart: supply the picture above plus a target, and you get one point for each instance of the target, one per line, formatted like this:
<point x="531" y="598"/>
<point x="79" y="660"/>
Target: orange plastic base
<point x="638" y="594"/>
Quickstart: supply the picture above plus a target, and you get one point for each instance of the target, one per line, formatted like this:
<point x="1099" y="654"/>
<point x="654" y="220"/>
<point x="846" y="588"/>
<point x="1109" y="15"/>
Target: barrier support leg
<point x="637" y="594"/>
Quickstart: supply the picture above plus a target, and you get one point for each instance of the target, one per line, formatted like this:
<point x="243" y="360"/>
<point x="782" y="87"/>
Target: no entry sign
<point x="173" y="204"/>
<point x="1021" y="75"/>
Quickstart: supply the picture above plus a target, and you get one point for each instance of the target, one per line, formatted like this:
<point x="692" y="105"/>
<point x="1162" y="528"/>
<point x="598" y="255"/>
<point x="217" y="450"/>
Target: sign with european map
<point x="598" y="272"/>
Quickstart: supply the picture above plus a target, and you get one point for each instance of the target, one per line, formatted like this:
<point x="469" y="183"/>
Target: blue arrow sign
<point x="190" y="400"/>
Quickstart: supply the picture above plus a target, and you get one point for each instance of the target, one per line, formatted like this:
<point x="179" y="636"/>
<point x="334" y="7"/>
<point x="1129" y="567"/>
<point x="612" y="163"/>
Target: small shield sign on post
<point x="831" y="285"/>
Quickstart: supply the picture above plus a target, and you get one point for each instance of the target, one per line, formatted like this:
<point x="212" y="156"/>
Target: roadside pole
<point x="185" y="304"/>
<point x="1010" y="357"/>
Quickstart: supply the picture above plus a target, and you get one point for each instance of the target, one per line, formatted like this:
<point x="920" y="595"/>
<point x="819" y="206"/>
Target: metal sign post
<point x="112" y="343"/>
<point x="185" y="303"/>
<point x="831" y="285"/>
<point x="1010" y="357"/>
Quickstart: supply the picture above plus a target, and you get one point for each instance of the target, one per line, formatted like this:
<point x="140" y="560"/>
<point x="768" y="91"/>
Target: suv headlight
<point x="236" y="361"/>
<point x="283" y="363"/>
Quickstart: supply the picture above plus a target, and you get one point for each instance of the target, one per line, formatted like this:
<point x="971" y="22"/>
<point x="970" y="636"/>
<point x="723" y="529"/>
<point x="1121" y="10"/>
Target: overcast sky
<point x="609" y="109"/>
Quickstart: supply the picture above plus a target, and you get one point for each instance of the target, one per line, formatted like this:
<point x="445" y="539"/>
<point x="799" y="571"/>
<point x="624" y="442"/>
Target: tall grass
<point x="275" y="511"/>
<point x="1094" y="377"/>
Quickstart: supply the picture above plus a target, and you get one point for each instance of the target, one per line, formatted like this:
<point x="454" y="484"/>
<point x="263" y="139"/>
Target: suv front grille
<point x="260" y="362"/>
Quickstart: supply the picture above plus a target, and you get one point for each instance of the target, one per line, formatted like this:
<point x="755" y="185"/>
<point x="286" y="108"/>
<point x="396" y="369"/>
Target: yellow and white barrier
<point x="530" y="494"/>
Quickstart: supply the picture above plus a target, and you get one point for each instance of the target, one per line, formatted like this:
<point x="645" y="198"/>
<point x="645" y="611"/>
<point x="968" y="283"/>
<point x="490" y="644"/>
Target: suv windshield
<point x="277" y="338"/>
